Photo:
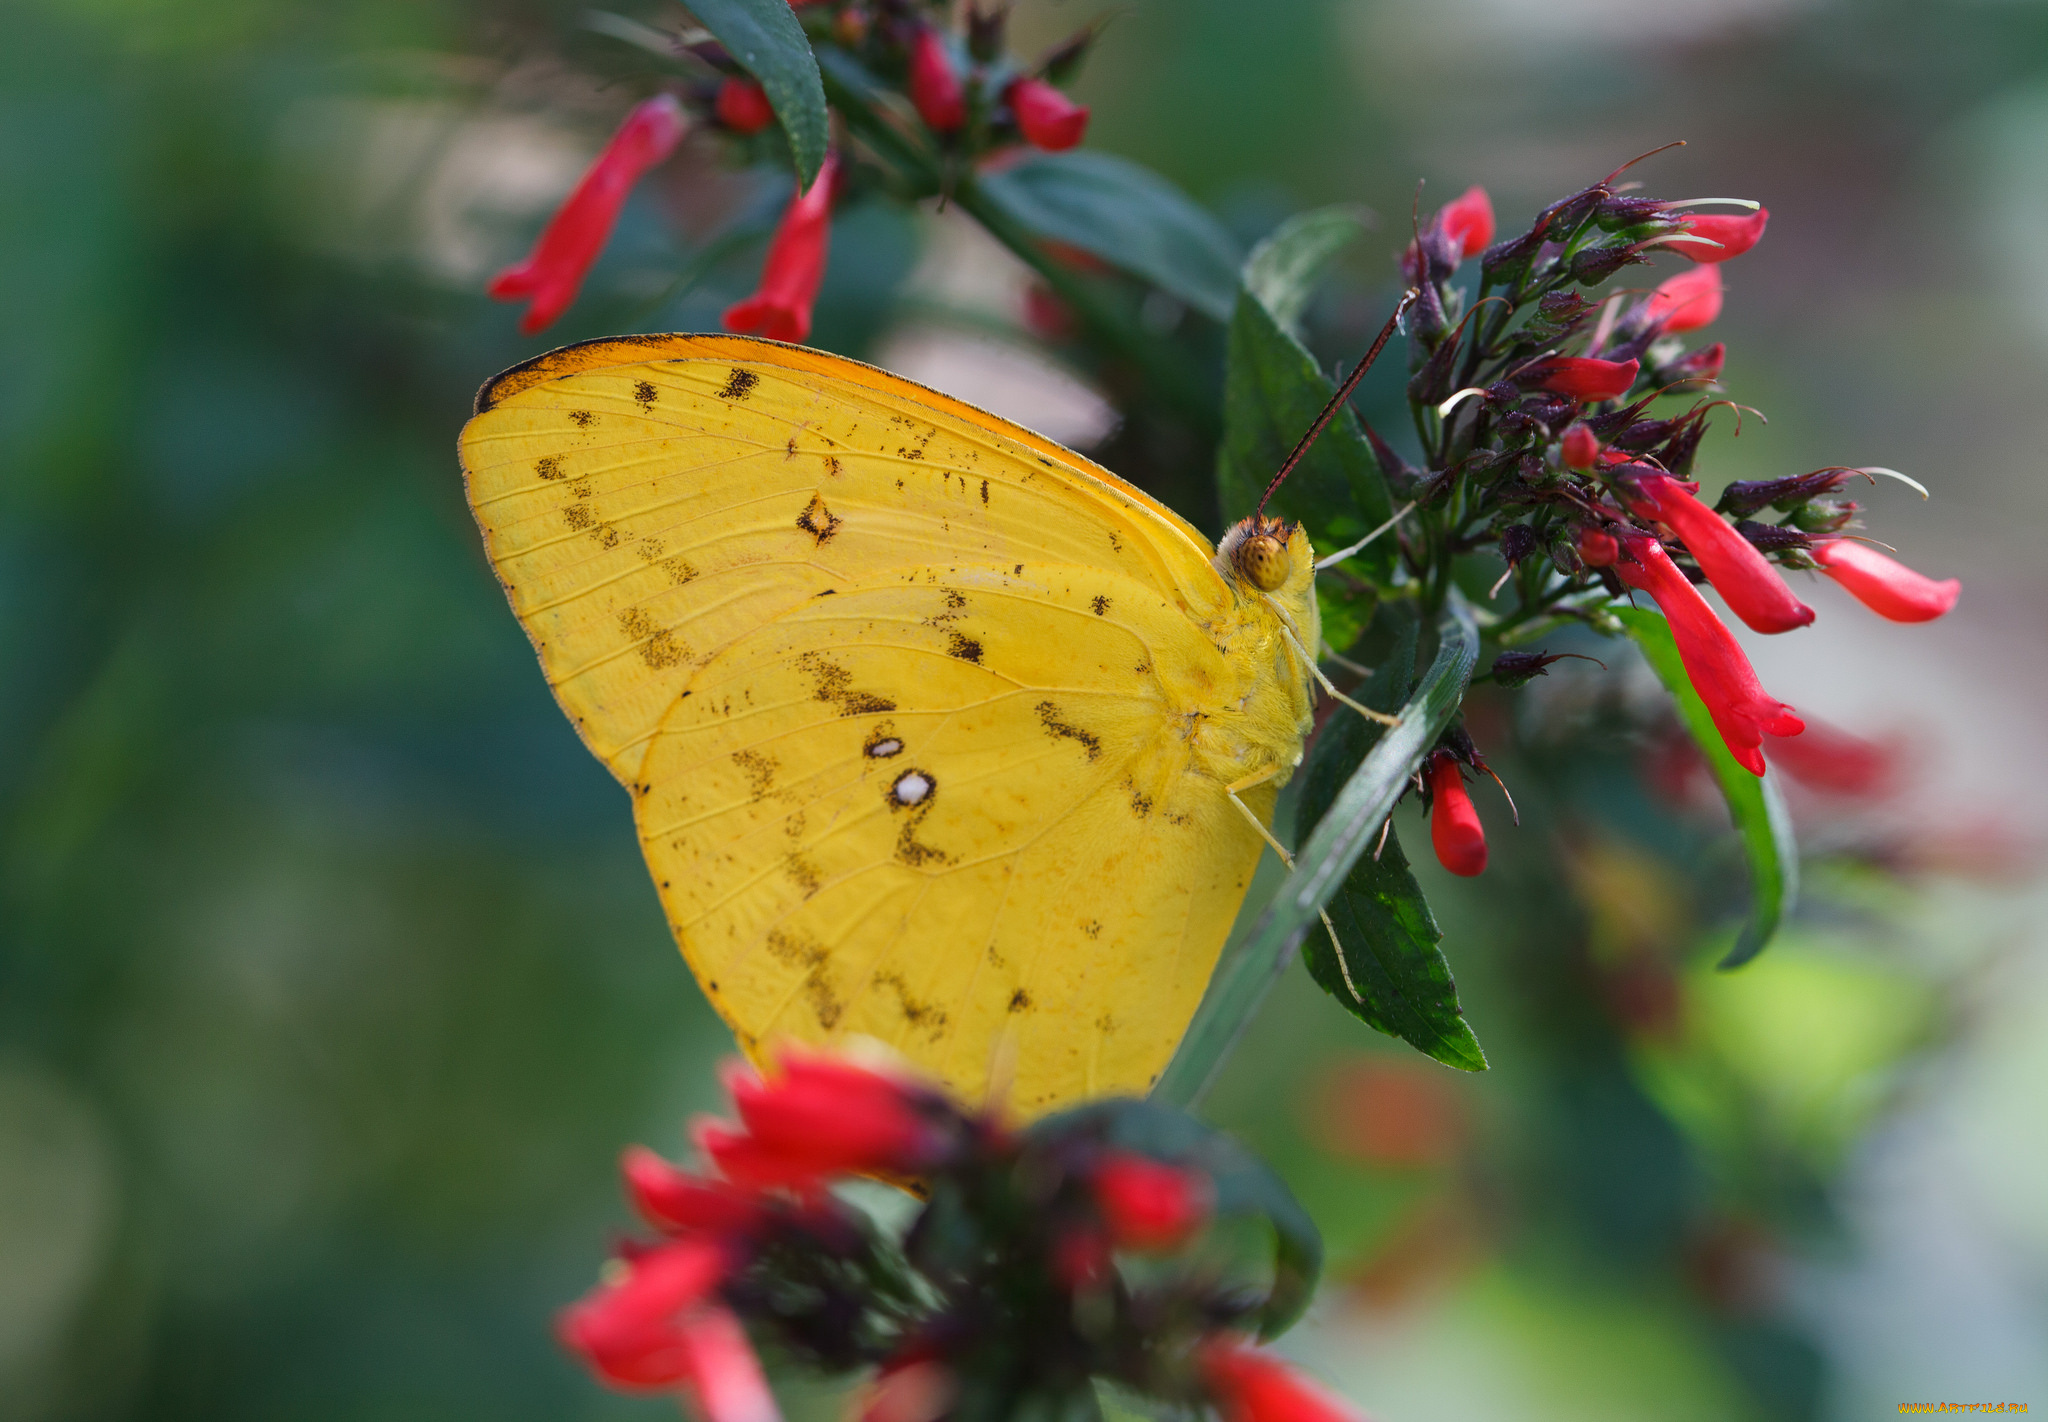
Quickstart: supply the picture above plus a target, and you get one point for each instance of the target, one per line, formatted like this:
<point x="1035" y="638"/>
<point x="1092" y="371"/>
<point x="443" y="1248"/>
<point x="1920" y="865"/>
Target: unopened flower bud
<point x="1579" y="447"/>
<point x="743" y="106"/>
<point x="1468" y="221"/>
<point x="1747" y="496"/>
<point x="985" y="32"/>
<point x="1772" y="537"/>
<point x="1047" y="118"/>
<point x="1598" y="548"/>
<point x="1454" y="829"/>
<point x="1596" y="264"/>
<point x="1514" y="669"/>
<point x="1248" y="1385"/>
<point x="935" y="90"/>
<point x="1147" y="1204"/>
<point x="1517" y="541"/>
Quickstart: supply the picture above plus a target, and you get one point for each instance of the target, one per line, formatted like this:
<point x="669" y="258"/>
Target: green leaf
<point x="1345" y="834"/>
<point x="1754" y="802"/>
<point x="765" y="38"/>
<point x="1128" y="216"/>
<point x="1244" y="1185"/>
<point x="1272" y="392"/>
<point x="1392" y="975"/>
<point x="1282" y="270"/>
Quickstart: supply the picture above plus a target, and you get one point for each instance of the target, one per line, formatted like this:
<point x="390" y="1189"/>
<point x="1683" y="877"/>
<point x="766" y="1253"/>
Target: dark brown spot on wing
<point x="832" y="682"/>
<point x="963" y="647"/>
<point x="644" y="394"/>
<point x="548" y="468"/>
<point x="1100" y="604"/>
<point x="578" y="517"/>
<point x="984" y="492"/>
<point x="804" y="874"/>
<point x="582" y="419"/>
<point x="917" y="1014"/>
<point x="1049" y="717"/>
<point x="1091" y="927"/>
<point x="679" y="570"/>
<point x="759" y="769"/>
<point x="739" y="384"/>
<point x="1019" y="1000"/>
<point x="817" y="520"/>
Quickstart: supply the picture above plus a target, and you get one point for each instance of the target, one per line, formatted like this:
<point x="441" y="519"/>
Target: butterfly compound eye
<point x="1264" y="562"/>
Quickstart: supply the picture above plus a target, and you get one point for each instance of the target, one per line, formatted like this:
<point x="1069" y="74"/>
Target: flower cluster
<point x="1561" y="429"/>
<point x="1042" y="1259"/>
<point x="970" y="99"/>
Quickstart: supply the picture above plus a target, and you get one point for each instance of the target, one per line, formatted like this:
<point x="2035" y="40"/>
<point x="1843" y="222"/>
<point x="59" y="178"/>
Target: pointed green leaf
<point x="1272" y="392"/>
<point x="1128" y="216"/>
<point x="1244" y="1184"/>
<point x="765" y="38"/>
<point x="1392" y="975"/>
<point x="1344" y="835"/>
<point x="1754" y="802"/>
<point x="1283" y="269"/>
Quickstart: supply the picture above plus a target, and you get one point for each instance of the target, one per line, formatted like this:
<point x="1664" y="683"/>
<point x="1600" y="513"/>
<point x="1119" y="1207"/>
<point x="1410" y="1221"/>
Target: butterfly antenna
<point x="1336" y="401"/>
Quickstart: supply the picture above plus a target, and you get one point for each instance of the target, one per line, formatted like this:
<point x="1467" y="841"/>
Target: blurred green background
<point x="330" y="981"/>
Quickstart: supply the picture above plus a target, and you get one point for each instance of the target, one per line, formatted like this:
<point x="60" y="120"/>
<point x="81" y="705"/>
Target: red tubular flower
<point x="676" y="1201"/>
<point x="935" y="89"/>
<point x="832" y="1118"/>
<point x="627" y="1330"/>
<point x="553" y="271"/>
<point x="1454" y="827"/>
<point x="1884" y="585"/>
<point x="1250" y="1386"/>
<point x="1146" y="1204"/>
<point x="743" y="106"/>
<point x="1581" y="377"/>
<point x="1581" y="447"/>
<point x="1735" y="234"/>
<point x="1714" y="663"/>
<point x="1686" y="302"/>
<point x="1836" y="762"/>
<point x="781" y="309"/>
<point x="1468" y="221"/>
<point x="1047" y="118"/>
<point x="1743" y="576"/>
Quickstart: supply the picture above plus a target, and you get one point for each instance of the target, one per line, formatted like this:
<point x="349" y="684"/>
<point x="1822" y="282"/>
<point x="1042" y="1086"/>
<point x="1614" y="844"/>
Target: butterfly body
<point x="930" y="725"/>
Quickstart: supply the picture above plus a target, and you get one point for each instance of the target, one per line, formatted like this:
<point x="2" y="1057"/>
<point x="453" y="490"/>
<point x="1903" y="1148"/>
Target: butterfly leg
<point x="1287" y="631"/>
<point x="1285" y="858"/>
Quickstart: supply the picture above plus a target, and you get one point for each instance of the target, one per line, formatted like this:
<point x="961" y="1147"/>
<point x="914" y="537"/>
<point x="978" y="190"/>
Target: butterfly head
<point x="1266" y="554"/>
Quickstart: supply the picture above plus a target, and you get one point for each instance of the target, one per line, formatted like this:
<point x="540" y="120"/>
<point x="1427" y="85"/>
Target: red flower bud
<point x="934" y="88"/>
<point x="1884" y="585"/>
<point x="917" y="1390"/>
<point x="1686" y="302"/>
<point x="1047" y="118"/>
<point x="725" y="1376"/>
<point x="553" y="271"/>
<point x="1714" y="663"/>
<point x="1081" y="1257"/>
<point x="743" y="106"/>
<point x="1735" y="234"/>
<point x="1149" y="1205"/>
<point x="676" y="1201"/>
<point x="1597" y="548"/>
<point x="1581" y="377"/>
<point x="781" y="309"/>
<point x="1454" y="828"/>
<point x="1742" y="575"/>
<point x="1468" y="221"/>
<point x="1581" y="447"/>
<point x="1250" y="1386"/>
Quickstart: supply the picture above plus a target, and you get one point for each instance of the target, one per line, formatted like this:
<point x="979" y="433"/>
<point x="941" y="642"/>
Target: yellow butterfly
<point x="936" y="732"/>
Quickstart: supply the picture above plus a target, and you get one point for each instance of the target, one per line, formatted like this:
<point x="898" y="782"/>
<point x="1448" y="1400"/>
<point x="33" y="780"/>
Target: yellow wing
<point x="927" y="719"/>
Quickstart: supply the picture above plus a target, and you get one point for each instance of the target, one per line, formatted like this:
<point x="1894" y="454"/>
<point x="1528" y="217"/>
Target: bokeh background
<point x="330" y="981"/>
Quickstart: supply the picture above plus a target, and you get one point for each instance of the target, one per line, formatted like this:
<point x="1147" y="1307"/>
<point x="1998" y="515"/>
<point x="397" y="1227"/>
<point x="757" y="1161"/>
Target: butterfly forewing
<point x="906" y="695"/>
